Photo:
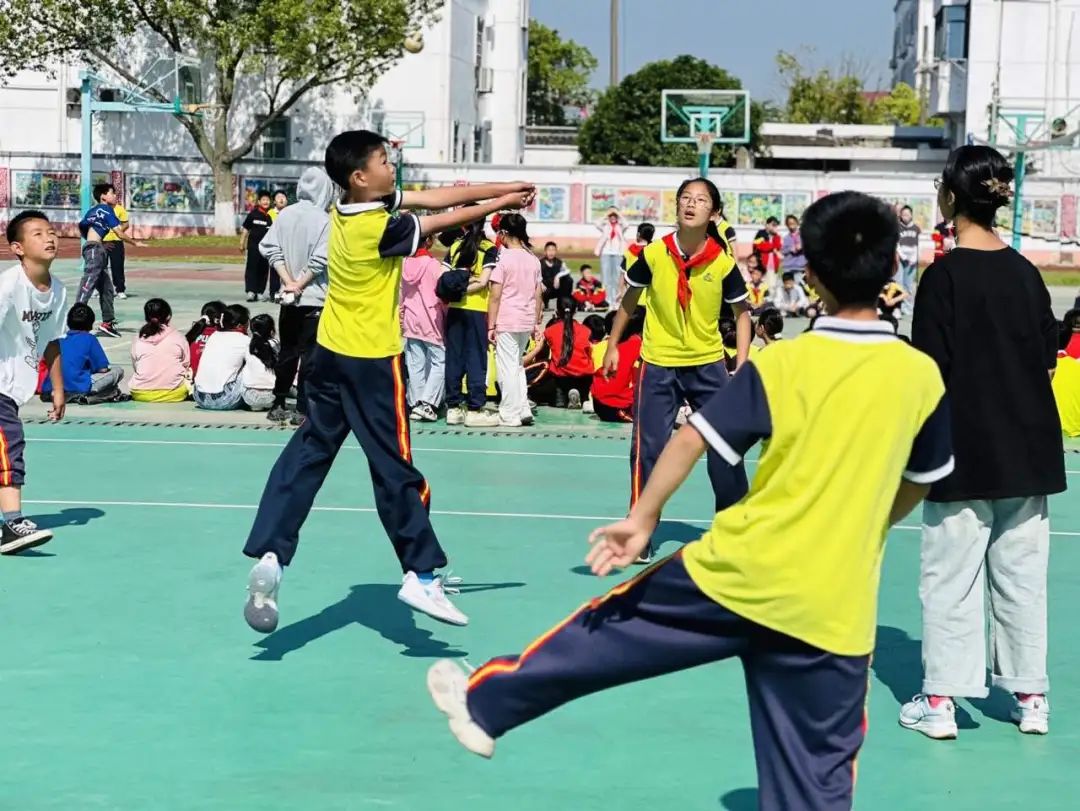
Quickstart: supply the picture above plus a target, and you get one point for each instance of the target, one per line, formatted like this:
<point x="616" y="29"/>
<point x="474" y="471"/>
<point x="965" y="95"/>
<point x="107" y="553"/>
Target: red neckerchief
<point x="422" y="252"/>
<point x="706" y="256"/>
<point x="635" y="249"/>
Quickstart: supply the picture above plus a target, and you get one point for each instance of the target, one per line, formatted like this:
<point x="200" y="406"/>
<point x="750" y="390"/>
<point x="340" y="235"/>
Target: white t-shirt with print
<point x="29" y="320"/>
<point x="222" y="361"/>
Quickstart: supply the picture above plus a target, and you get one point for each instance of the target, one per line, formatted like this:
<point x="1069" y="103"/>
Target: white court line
<point x="188" y="505"/>
<point x="196" y="443"/>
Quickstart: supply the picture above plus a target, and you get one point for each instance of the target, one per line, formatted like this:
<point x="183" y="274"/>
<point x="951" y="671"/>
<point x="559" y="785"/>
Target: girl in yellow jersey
<point x="689" y="275"/>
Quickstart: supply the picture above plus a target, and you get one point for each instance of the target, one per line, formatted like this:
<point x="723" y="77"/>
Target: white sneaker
<point x="448" y="686"/>
<point x="121" y="296"/>
<point x="573" y="399"/>
<point x="427" y="413"/>
<point x="416" y="414"/>
<point x="481" y="419"/>
<point x="510" y="423"/>
<point x="933" y="722"/>
<point x="455" y="416"/>
<point x="430" y="599"/>
<point x="261" y="610"/>
<point x="1032" y="715"/>
<point x="587" y="407"/>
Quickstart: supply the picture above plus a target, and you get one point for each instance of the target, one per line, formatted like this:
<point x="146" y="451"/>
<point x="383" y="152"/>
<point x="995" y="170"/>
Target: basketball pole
<point x="1019" y="173"/>
<point x="703" y="162"/>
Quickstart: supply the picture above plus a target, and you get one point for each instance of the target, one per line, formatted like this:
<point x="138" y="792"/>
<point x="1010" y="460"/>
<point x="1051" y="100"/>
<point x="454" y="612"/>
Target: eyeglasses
<point x="686" y="199"/>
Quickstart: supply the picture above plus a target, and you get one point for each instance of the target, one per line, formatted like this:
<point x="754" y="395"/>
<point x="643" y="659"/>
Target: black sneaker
<point x="109" y="328"/>
<point x="20" y="535"/>
<point x="297" y="419"/>
<point x="278" y="414"/>
<point x="646" y="557"/>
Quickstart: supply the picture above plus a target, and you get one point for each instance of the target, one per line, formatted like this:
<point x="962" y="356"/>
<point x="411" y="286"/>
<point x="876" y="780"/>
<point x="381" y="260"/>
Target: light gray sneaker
<point x="455" y="416"/>
<point x="482" y="419"/>
<point x="937" y="722"/>
<point x="449" y="687"/>
<point x="1032" y="715"/>
<point x="261" y="610"/>
<point x="573" y="399"/>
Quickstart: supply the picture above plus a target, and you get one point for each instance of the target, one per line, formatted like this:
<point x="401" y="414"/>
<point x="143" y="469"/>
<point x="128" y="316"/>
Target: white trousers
<point x="509" y="349"/>
<point x="969" y="547"/>
<point x="427" y="372"/>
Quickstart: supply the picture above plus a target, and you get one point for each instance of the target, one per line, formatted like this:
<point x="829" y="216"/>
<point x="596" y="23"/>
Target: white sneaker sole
<point x="444" y="682"/>
<point x="425" y="606"/>
<point x="261" y="609"/>
<point x="1029" y="727"/>
<point x="939" y="732"/>
<point x="42" y="536"/>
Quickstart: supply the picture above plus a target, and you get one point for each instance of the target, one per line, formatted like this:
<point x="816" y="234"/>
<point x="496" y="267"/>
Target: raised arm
<point x="449" y="196"/>
<point x="434" y="223"/>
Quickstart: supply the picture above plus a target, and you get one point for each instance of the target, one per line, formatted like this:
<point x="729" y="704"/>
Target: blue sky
<point x="741" y="37"/>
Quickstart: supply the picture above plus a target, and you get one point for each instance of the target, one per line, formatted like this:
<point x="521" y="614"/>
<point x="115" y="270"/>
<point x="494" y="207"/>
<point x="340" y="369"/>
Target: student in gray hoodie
<point x="295" y="247"/>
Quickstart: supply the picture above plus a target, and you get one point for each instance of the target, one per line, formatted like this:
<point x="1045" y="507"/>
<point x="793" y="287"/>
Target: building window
<point x="274" y="142"/>
<point x="950" y="38"/>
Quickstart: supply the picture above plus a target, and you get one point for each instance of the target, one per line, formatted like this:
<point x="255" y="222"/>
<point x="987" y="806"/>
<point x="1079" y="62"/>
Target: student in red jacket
<point x="590" y="292"/>
<point x="565" y="379"/>
<point x="767" y="246"/>
<point x="613" y="397"/>
<point x="209" y="322"/>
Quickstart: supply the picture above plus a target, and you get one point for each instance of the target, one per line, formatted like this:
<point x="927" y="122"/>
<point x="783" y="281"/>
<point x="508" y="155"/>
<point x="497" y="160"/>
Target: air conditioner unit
<point x="485" y="80"/>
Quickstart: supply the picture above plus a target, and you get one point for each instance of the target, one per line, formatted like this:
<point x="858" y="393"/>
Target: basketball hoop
<point x="705" y="141"/>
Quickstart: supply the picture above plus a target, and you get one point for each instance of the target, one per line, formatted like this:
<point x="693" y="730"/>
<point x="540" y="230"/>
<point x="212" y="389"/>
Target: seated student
<point x="218" y="386"/>
<point x="757" y="292"/>
<point x="567" y="376"/>
<point x="770" y="327"/>
<point x="209" y="322"/>
<point x="258" y="375"/>
<point x="88" y="378"/>
<point x="1066" y="380"/>
<point x="613" y="397"/>
<point x="790" y="299"/>
<point x="729" y="335"/>
<point x="814" y="307"/>
<point x="891" y="297"/>
<point x="554" y="275"/>
<point x="589" y="293"/>
<point x="1070" y="332"/>
<point x="161" y="358"/>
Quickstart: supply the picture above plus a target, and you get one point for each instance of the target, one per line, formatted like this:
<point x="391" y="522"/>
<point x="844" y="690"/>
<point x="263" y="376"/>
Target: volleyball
<point x="414" y="42"/>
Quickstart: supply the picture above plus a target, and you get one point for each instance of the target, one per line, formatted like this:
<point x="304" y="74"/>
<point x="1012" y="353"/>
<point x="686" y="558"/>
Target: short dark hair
<point x="550" y="245"/>
<point x="771" y="322"/>
<point x="14" y="226"/>
<point x="906" y="208"/>
<point x="850" y="240"/>
<point x="791" y="217"/>
<point x="281" y="191"/>
<point x="756" y="269"/>
<point x="597" y="327"/>
<point x="101" y="189"/>
<point x="349" y="151"/>
<point x="80" y="317"/>
<point x="261" y="193"/>
<point x="789" y="276"/>
<point x="979" y="178"/>
<point x="646" y="231"/>
<point x="772" y="221"/>
<point x="585" y="266"/>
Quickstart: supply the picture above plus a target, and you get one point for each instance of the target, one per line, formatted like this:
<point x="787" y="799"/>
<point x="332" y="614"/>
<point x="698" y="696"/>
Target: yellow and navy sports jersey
<point x="728" y="233"/>
<point x="122" y="215"/>
<point x="486" y="257"/>
<point x="801" y="553"/>
<point x="366" y="247"/>
<point x="629" y="258"/>
<point x="685" y="296"/>
<point x="757" y="295"/>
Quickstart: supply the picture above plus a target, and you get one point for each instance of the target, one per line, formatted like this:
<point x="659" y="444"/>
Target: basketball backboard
<point x="684" y="114"/>
<point x="404" y="126"/>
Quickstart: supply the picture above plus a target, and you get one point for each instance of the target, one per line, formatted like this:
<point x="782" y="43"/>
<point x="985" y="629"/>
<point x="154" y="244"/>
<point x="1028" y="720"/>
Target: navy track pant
<point x="807" y="706"/>
<point x="366" y="397"/>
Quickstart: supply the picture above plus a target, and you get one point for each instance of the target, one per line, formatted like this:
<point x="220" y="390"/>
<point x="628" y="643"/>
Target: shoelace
<point x="450" y="583"/>
<point x="24" y="525"/>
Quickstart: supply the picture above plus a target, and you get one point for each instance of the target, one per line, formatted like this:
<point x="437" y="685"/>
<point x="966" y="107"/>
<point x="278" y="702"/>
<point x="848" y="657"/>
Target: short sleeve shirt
<point x="368" y="243"/>
<point x="801" y="553"/>
<point x="684" y="330"/>
<point x="100" y="219"/>
<point x="122" y="216"/>
<point x="257" y="223"/>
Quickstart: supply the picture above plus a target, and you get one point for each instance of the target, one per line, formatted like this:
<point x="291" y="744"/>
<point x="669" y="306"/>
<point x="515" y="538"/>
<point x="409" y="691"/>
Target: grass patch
<point x="205" y="242"/>
<point x="235" y="259"/>
<point x="1061" y="278"/>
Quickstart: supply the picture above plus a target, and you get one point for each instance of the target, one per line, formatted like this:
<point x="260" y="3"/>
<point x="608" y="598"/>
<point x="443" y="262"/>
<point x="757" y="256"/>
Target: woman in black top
<point x="983" y="313"/>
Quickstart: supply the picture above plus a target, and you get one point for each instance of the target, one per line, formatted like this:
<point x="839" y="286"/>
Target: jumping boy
<point x="786" y="580"/>
<point x="357" y="380"/>
<point x="99" y="222"/>
<point x="33" y="307"/>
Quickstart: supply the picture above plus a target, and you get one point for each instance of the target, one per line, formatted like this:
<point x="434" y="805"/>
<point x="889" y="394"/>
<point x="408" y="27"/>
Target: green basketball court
<point x="131" y="681"/>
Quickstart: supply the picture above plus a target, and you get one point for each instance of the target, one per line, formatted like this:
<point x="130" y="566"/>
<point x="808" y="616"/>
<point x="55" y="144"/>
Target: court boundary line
<point x="189" y="505"/>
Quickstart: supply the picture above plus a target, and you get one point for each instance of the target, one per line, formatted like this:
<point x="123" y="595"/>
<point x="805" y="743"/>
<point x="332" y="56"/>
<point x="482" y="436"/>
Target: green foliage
<point x="624" y="128"/>
<point x="267" y="54"/>
<point x="559" y="73"/>
<point x="901" y="107"/>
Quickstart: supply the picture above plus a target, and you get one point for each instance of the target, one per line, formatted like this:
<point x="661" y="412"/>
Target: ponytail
<point x="158" y="313"/>
<point x="564" y="312"/>
<point x="514" y="225"/>
<point x="210" y="317"/>
<point x="262" y="331"/>
<point x="468" y="247"/>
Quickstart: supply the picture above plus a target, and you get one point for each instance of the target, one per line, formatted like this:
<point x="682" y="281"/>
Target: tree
<point x="624" y="128"/>
<point x="559" y="72"/>
<point x="267" y="54"/>
<point x="902" y="107"/>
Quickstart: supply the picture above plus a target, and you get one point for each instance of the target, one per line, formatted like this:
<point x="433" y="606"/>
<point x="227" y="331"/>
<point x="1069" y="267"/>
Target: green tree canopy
<point x="559" y="72"/>
<point x="624" y="128"/>
<point x="266" y="55"/>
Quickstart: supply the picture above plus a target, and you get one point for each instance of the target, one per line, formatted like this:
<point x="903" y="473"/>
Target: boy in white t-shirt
<point x="33" y="311"/>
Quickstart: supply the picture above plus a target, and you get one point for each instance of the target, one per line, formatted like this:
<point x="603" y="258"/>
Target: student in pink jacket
<point x="161" y="357"/>
<point x="423" y="324"/>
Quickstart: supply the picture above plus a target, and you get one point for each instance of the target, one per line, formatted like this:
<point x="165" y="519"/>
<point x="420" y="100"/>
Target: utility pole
<point x="615" y="16"/>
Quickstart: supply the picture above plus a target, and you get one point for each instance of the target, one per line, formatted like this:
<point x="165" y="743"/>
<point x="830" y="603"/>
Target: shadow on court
<point x="70" y="517"/>
<point x="376" y="606"/>
<point x="741" y="799"/>
<point x="667" y="532"/>
<point x="897" y="663"/>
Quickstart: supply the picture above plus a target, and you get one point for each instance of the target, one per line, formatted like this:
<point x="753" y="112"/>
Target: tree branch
<point x="252" y="137"/>
<point x="172" y="39"/>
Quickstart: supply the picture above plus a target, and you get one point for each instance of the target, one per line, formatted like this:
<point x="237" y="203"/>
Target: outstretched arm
<point x="434" y="223"/>
<point x="449" y="196"/>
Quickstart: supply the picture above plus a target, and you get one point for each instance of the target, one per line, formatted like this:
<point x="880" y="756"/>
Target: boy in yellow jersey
<point x="787" y="580"/>
<point x="356" y="379"/>
<point x="114" y="246"/>
<point x="689" y="275"/>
